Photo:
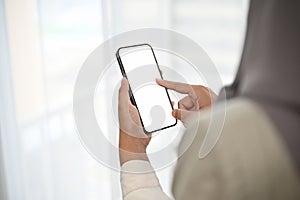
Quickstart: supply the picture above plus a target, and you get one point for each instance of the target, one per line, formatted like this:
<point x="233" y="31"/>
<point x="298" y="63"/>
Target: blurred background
<point x="42" y="46"/>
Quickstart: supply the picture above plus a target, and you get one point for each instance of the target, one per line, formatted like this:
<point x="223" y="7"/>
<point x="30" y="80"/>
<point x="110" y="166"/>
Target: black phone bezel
<point x="130" y="91"/>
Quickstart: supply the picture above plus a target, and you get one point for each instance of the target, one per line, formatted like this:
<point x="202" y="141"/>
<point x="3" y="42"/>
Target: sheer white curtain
<point x="42" y="45"/>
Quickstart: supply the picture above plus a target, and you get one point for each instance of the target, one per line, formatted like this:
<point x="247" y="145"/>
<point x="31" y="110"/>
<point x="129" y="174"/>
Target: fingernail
<point x="123" y="82"/>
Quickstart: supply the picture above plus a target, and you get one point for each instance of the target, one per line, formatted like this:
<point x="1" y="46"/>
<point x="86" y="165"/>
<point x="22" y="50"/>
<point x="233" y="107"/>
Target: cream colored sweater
<point x="249" y="161"/>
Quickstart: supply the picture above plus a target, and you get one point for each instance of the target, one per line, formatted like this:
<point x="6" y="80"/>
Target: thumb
<point x="123" y="93"/>
<point x="184" y="116"/>
<point x="181" y="114"/>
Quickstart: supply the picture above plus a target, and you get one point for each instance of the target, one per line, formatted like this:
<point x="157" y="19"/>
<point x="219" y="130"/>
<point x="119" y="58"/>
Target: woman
<point x="258" y="153"/>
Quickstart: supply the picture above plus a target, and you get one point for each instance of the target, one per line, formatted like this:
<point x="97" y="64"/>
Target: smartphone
<point x="139" y="65"/>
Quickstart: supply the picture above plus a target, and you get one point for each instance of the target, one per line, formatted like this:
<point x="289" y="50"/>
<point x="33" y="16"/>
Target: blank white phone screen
<point x="151" y="99"/>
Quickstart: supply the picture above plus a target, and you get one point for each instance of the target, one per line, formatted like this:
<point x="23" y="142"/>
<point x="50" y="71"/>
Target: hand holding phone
<point x="132" y="139"/>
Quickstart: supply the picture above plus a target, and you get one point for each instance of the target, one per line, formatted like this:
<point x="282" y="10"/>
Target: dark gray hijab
<point x="269" y="71"/>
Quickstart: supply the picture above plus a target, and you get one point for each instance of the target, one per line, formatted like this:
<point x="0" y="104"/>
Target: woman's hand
<point x="132" y="141"/>
<point x="198" y="97"/>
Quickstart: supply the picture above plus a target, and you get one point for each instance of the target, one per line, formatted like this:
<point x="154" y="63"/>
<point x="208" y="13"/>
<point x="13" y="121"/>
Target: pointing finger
<point x="178" y="87"/>
<point x="182" y="88"/>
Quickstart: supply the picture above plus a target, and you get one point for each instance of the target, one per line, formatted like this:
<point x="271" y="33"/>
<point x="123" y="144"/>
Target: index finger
<point x="182" y="88"/>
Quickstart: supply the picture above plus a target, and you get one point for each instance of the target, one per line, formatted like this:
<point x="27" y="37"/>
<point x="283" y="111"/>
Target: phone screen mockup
<point x="139" y="65"/>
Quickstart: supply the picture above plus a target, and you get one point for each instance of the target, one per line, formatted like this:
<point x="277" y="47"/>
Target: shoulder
<point x="247" y="158"/>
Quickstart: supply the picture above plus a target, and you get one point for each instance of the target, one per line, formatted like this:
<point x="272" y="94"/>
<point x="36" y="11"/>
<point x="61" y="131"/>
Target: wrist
<point x="126" y="156"/>
<point x="132" y="148"/>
